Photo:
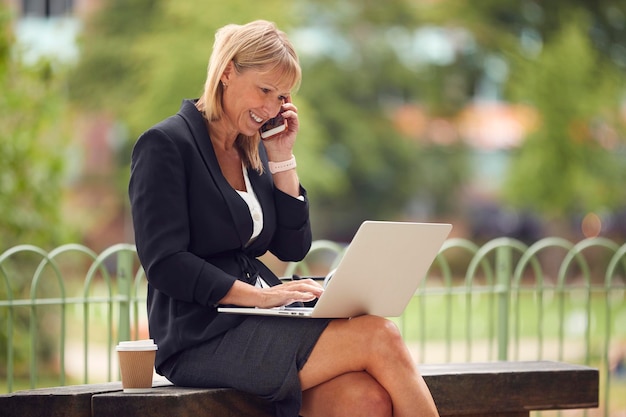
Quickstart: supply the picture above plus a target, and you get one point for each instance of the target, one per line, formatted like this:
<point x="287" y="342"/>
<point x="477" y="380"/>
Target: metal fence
<point x="64" y="310"/>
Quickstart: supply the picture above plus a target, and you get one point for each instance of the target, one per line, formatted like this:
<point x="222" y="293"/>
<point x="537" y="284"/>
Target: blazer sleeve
<point x="159" y="207"/>
<point x="293" y="237"/>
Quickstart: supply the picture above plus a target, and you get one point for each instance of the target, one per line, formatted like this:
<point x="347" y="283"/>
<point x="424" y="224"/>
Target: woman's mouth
<point x="255" y="117"/>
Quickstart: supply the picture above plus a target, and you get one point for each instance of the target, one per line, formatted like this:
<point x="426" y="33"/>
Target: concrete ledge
<point x="511" y="389"/>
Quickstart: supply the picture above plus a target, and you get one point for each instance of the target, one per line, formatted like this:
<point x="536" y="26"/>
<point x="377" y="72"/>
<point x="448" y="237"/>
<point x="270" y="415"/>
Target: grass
<point x="455" y="316"/>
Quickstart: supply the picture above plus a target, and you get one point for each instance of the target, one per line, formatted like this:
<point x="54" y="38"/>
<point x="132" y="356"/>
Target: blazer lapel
<point x="237" y="207"/>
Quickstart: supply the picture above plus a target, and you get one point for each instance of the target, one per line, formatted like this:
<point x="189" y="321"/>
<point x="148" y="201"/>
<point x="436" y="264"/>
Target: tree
<point x="566" y="59"/>
<point x="33" y="135"/>
<point x="356" y="79"/>
<point x="572" y="162"/>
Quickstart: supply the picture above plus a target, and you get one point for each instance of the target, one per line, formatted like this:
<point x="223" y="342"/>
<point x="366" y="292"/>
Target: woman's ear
<point x="228" y="73"/>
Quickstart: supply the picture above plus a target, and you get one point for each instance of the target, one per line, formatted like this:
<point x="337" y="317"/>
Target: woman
<point x="208" y="198"/>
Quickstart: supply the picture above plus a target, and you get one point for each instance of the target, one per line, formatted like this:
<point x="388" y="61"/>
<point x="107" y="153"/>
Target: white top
<point x="256" y="213"/>
<point x="257" y="216"/>
<point x="253" y="204"/>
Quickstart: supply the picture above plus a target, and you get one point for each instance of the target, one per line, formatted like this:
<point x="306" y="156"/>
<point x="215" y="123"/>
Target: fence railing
<point x="64" y="310"/>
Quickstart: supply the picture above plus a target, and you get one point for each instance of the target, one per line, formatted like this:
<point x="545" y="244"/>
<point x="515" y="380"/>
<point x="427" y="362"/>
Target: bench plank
<point x="69" y="401"/>
<point x="494" y="389"/>
<point x="489" y="387"/>
<point x="182" y="402"/>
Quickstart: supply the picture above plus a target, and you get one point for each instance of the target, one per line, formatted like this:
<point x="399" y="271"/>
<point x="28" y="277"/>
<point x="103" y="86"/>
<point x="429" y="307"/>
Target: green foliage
<point x="354" y="85"/>
<point x="563" y="167"/>
<point x="565" y="59"/>
<point x="111" y="71"/>
<point x="32" y="139"/>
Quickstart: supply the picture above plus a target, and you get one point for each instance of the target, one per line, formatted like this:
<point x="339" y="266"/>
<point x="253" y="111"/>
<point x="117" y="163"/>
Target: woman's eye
<point x="265" y="90"/>
<point x="282" y="98"/>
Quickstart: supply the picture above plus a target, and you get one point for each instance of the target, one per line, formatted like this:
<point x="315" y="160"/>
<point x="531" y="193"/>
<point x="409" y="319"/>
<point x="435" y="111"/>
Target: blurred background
<point x="504" y="117"/>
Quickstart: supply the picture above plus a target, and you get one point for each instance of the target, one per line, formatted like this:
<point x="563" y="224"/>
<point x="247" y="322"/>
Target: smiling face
<point x="251" y="98"/>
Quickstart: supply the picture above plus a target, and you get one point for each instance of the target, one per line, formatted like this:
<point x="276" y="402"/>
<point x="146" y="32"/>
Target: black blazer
<point x="191" y="229"/>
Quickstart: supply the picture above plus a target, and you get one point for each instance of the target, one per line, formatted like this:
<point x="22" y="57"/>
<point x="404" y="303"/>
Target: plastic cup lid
<point x="144" y="344"/>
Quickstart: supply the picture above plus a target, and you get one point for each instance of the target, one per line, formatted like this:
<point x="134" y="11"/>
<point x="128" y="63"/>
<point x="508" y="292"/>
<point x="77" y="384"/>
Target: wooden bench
<point x="504" y="389"/>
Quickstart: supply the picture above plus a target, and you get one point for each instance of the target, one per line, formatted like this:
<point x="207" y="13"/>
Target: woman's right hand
<point x="302" y="290"/>
<point x="246" y="295"/>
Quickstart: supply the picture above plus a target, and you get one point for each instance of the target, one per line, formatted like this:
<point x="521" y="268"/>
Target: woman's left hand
<point x="280" y="147"/>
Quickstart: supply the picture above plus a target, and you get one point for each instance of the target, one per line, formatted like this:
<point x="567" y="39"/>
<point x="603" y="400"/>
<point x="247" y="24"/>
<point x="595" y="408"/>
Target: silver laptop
<point x="378" y="273"/>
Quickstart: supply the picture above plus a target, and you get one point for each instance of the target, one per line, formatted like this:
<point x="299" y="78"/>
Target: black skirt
<point x="262" y="356"/>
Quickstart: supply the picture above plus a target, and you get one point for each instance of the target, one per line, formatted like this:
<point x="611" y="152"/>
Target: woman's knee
<point x="381" y="334"/>
<point x="352" y="394"/>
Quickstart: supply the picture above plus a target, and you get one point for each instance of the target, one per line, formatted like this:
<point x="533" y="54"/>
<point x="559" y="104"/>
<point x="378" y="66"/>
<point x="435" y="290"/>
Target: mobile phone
<point x="273" y="126"/>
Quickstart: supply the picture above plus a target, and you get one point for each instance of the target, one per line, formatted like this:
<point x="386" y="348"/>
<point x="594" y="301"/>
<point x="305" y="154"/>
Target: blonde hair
<point x="259" y="46"/>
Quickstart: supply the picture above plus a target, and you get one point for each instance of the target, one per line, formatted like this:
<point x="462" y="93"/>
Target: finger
<point x="306" y="296"/>
<point x="305" y="285"/>
<point x="292" y="121"/>
<point x="289" y="107"/>
<point x="290" y="115"/>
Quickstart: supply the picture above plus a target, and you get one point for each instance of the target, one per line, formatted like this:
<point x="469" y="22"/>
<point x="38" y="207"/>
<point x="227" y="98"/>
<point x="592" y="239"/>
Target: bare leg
<point x="355" y="394"/>
<point x="373" y="345"/>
